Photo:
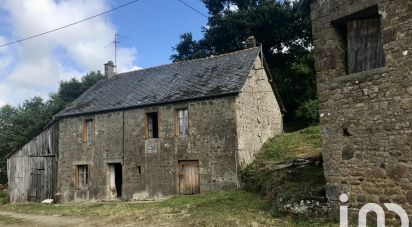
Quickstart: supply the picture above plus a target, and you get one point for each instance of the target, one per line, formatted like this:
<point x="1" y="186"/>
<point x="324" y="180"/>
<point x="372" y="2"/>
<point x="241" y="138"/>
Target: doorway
<point x="116" y="179"/>
<point x="188" y="177"/>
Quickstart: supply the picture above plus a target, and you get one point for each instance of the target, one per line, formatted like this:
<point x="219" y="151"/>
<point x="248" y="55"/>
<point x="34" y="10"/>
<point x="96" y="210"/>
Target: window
<point x="365" y="49"/>
<point x="361" y="38"/>
<point x="152" y="125"/>
<point x="82" y="177"/>
<point x="88" y="131"/>
<point x="182" y="122"/>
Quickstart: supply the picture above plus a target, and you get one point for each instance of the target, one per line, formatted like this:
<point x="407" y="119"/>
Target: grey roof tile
<point x="194" y="79"/>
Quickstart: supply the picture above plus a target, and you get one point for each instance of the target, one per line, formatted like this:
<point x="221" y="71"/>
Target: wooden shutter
<point x="364" y="45"/>
<point x="84" y="131"/>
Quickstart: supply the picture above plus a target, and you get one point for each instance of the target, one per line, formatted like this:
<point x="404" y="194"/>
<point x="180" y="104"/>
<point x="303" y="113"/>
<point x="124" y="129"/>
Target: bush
<point x="3" y="198"/>
<point x="308" y="112"/>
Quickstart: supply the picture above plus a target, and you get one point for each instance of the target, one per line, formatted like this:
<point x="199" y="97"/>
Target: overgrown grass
<point x="3" y="197"/>
<point x="304" y="143"/>
<point x="288" y="185"/>
<point x="236" y="208"/>
<point x="7" y="220"/>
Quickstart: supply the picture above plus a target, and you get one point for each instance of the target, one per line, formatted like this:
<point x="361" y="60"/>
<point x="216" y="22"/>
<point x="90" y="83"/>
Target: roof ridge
<point x="186" y="61"/>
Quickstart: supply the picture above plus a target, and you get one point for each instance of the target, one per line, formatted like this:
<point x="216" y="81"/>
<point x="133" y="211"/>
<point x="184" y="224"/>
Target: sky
<point x="36" y="66"/>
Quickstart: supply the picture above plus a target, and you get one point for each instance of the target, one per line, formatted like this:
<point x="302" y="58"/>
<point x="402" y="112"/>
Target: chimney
<point x="109" y="69"/>
<point x="251" y="42"/>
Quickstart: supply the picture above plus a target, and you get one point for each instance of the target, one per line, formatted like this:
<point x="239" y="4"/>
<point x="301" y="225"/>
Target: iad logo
<point x="372" y="207"/>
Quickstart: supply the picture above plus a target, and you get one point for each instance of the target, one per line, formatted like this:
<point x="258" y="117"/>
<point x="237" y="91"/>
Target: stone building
<point x="180" y="128"/>
<point x="364" y="78"/>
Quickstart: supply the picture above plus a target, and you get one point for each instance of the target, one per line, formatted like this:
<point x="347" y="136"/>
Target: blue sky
<point x="155" y="26"/>
<point x="35" y="67"/>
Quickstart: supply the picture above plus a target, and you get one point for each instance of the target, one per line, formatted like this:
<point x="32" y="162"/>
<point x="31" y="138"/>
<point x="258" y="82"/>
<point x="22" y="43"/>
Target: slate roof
<point x="189" y="80"/>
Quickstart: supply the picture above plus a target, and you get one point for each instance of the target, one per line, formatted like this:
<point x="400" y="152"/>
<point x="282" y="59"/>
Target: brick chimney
<point x="109" y="69"/>
<point x="251" y="42"/>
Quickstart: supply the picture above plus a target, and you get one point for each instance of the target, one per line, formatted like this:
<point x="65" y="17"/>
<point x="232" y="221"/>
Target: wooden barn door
<point x="188" y="177"/>
<point x="43" y="177"/>
<point x="37" y="177"/>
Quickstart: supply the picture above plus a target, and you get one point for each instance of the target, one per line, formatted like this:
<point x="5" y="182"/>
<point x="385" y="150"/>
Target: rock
<point x="409" y="197"/>
<point x="47" y="201"/>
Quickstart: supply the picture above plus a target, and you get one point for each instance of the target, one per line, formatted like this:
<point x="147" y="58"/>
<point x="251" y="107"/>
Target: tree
<point x="20" y="124"/>
<point x="283" y="32"/>
<point x="188" y="48"/>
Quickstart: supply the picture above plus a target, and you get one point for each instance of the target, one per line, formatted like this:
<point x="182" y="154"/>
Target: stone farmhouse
<point x="364" y="77"/>
<point x="181" y="128"/>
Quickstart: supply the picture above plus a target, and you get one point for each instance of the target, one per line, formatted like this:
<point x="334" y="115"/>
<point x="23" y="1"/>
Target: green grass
<point x="304" y="143"/>
<point x="7" y="220"/>
<point x="3" y="197"/>
<point x="236" y="208"/>
<point x="291" y="184"/>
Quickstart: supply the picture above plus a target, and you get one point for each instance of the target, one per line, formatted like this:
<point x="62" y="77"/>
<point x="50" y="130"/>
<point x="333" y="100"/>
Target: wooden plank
<point x="373" y="32"/>
<point x="364" y="45"/>
<point x="380" y="52"/>
<point x="351" y="45"/>
<point x="188" y="177"/>
<point x="36" y="157"/>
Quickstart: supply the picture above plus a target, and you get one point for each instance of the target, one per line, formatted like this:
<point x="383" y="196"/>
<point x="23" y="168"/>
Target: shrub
<point x="308" y="112"/>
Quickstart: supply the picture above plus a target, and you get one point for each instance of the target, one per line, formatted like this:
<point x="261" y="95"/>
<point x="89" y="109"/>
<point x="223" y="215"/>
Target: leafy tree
<point x="283" y="32"/>
<point x="20" y="124"/>
<point x="188" y="48"/>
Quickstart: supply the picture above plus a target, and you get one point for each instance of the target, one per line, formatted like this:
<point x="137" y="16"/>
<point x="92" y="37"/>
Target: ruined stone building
<point x="180" y="128"/>
<point x="363" y="52"/>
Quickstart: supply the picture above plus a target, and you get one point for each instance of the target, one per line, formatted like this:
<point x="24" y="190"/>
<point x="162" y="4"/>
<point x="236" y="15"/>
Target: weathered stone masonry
<point x="211" y="140"/>
<point x="257" y="118"/>
<point x="224" y="134"/>
<point x="123" y="138"/>
<point x="366" y="118"/>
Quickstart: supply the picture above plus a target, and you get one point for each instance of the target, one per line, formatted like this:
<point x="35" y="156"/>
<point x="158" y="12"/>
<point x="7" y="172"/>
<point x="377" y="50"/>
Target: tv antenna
<point x="117" y="39"/>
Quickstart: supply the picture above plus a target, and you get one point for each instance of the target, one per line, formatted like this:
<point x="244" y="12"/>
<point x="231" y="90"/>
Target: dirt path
<point x="14" y="219"/>
<point x="19" y="219"/>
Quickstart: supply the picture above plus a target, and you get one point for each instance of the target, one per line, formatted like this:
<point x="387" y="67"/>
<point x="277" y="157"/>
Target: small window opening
<point x="88" y="131"/>
<point x="139" y="170"/>
<point x="152" y="125"/>
<point x="82" y="177"/>
<point x="182" y="122"/>
<point x="363" y="40"/>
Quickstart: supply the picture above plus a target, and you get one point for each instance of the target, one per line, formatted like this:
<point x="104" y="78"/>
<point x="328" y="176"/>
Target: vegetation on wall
<point x="21" y="123"/>
<point x="270" y="177"/>
<point x="285" y="36"/>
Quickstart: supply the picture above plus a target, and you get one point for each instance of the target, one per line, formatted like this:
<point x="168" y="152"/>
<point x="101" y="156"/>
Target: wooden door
<point x="188" y="177"/>
<point x="37" y="176"/>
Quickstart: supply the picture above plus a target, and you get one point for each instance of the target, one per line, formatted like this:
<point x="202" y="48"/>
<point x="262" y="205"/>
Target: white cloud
<point x="37" y="65"/>
<point x="2" y="103"/>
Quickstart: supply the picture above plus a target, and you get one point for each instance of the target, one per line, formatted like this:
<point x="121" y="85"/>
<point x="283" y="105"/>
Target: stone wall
<point x="258" y="114"/>
<point x="120" y="138"/>
<point x="366" y="118"/>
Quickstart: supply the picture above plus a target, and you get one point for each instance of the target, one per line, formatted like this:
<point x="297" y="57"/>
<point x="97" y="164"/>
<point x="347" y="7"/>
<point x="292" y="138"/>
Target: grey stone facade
<point x="366" y="118"/>
<point x="224" y="134"/>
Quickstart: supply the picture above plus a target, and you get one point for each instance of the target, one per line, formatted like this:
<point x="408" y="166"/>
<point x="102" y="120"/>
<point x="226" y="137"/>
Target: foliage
<point x="21" y="123"/>
<point x="309" y="111"/>
<point x="188" y="48"/>
<point x="260" y="176"/>
<point x="301" y="144"/>
<point x="232" y="208"/>
<point x="3" y="198"/>
<point x="283" y="32"/>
